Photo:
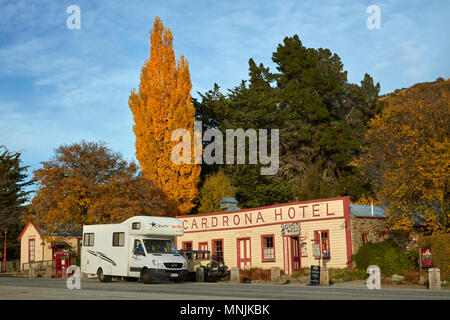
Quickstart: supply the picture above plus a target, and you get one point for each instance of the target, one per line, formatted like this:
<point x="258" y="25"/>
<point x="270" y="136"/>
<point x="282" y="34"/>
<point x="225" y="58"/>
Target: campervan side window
<point x="136" y="225"/>
<point x="118" y="239"/>
<point x="88" y="240"/>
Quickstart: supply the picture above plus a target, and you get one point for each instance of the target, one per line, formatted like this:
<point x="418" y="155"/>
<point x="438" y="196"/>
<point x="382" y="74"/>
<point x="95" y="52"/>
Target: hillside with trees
<point x="321" y="117"/>
<point x="407" y="156"/>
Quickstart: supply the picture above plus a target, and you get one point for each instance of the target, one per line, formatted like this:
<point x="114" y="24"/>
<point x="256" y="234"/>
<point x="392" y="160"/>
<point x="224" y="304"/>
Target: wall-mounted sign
<point x="316" y="250"/>
<point x="288" y="229"/>
<point x="426" y="258"/>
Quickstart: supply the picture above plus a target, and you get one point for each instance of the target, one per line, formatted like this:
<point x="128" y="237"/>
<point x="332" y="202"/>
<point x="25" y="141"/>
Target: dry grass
<point x="411" y="275"/>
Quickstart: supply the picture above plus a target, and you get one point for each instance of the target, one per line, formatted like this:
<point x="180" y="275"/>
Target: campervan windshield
<point x="159" y="246"/>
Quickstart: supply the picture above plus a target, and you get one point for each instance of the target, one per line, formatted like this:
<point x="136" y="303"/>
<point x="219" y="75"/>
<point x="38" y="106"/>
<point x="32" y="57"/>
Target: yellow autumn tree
<point x="160" y="106"/>
<point x="408" y="156"/>
<point x="216" y="187"/>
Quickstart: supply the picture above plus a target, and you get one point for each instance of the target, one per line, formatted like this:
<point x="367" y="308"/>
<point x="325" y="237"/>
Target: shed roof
<point x="228" y="200"/>
<point x="365" y="211"/>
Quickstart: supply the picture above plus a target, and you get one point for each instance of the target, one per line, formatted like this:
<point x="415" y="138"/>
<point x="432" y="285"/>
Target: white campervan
<point x="140" y="247"/>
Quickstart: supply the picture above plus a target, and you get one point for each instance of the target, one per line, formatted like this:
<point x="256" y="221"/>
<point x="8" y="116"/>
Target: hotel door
<point x="243" y="253"/>
<point x="295" y="253"/>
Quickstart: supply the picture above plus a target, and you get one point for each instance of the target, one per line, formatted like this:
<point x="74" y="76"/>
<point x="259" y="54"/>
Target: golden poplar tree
<point x="161" y="105"/>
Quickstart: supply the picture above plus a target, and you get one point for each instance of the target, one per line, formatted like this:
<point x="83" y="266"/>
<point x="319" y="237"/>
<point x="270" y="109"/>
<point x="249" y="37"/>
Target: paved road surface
<point x="92" y="289"/>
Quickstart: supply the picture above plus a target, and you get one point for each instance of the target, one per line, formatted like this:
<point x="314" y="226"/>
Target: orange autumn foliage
<point x="161" y="105"/>
<point x="408" y="156"/>
<point x="86" y="183"/>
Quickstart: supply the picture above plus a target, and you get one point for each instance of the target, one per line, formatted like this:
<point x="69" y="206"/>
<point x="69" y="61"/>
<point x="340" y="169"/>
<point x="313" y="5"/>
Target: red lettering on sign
<point x="204" y="221"/>
<point x="259" y="217"/>
<point x="329" y="213"/>
<point x="225" y="221"/>
<point x="184" y="226"/>
<point x="314" y="210"/>
<point x="194" y="223"/>
<point x="214" y="222"/>
<point x="238" y="220"/>
<point x="279" y="214"/>
<point x="248" y="218"/>
<point x="291" y="209"/>
<point x="303" y="208"/>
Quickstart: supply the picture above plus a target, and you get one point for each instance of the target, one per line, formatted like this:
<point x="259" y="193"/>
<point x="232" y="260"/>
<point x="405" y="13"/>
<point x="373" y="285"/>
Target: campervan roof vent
<point x="229" y="204"/>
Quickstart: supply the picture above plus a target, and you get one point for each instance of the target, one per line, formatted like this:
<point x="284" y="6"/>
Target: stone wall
<point x="373" y="229"/>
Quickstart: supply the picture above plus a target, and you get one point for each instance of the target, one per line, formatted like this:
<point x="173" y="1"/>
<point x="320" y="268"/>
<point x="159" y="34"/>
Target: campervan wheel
<point x="102" y="277"/>
<point x="146" y="276"/>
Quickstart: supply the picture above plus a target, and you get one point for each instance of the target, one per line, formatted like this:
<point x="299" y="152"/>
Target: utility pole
<point x="4" y="253"/>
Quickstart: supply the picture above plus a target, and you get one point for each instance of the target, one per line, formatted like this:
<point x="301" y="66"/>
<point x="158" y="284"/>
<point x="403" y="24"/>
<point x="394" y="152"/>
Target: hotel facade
<point x="290" y="236"/>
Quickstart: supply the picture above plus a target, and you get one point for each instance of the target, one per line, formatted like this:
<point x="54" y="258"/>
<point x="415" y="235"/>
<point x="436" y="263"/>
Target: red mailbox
<point x="62" y="261"/>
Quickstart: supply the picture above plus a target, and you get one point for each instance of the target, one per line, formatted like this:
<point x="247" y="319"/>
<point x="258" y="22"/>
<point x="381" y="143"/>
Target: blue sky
<point x="58" y="86"/>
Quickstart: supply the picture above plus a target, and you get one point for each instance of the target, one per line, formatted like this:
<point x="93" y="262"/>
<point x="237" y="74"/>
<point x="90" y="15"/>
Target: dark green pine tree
<point x="12" y="184"/>
<point x="12" y="198"/>
<point x="325" y="120"/>
<point x="320" y="116"/>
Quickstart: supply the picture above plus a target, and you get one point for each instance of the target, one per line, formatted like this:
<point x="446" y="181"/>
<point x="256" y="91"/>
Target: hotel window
<point x="324" y="242"/>
<point x="217" y="251"/>
<point x="187" y="246"/>
<point x="268" y="248"/>
<point x="31" y="250"/>
<point x="202" y="246"/>
<point x="118" y="239"/>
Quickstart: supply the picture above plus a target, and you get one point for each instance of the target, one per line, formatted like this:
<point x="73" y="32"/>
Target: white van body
<point x="140" y="247"/>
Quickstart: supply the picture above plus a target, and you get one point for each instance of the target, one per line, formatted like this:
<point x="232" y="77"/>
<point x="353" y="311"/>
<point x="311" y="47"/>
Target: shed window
<point x="365" y="238"/>
<point x="31" y="250"/>
<point x="118" y="239"/>
<point x="88" y="240"/>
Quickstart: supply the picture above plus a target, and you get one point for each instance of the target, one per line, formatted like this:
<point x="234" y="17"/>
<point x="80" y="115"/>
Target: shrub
<point x="387" y="255"/>
<point x="346" y="274"/>
<point x="413" y="257"/>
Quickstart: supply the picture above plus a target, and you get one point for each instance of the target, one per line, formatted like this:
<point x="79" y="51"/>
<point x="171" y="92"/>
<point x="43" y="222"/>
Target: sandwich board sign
<point x="314" y="278"/>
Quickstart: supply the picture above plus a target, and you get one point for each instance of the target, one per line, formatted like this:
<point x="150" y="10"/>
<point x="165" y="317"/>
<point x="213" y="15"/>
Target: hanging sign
<point x="316" y="250"/>
<point x="288" y="229"/>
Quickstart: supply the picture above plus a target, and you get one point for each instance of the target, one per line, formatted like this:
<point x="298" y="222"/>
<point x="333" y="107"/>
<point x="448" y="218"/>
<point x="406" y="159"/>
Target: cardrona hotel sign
<point x="279" y="214"/>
